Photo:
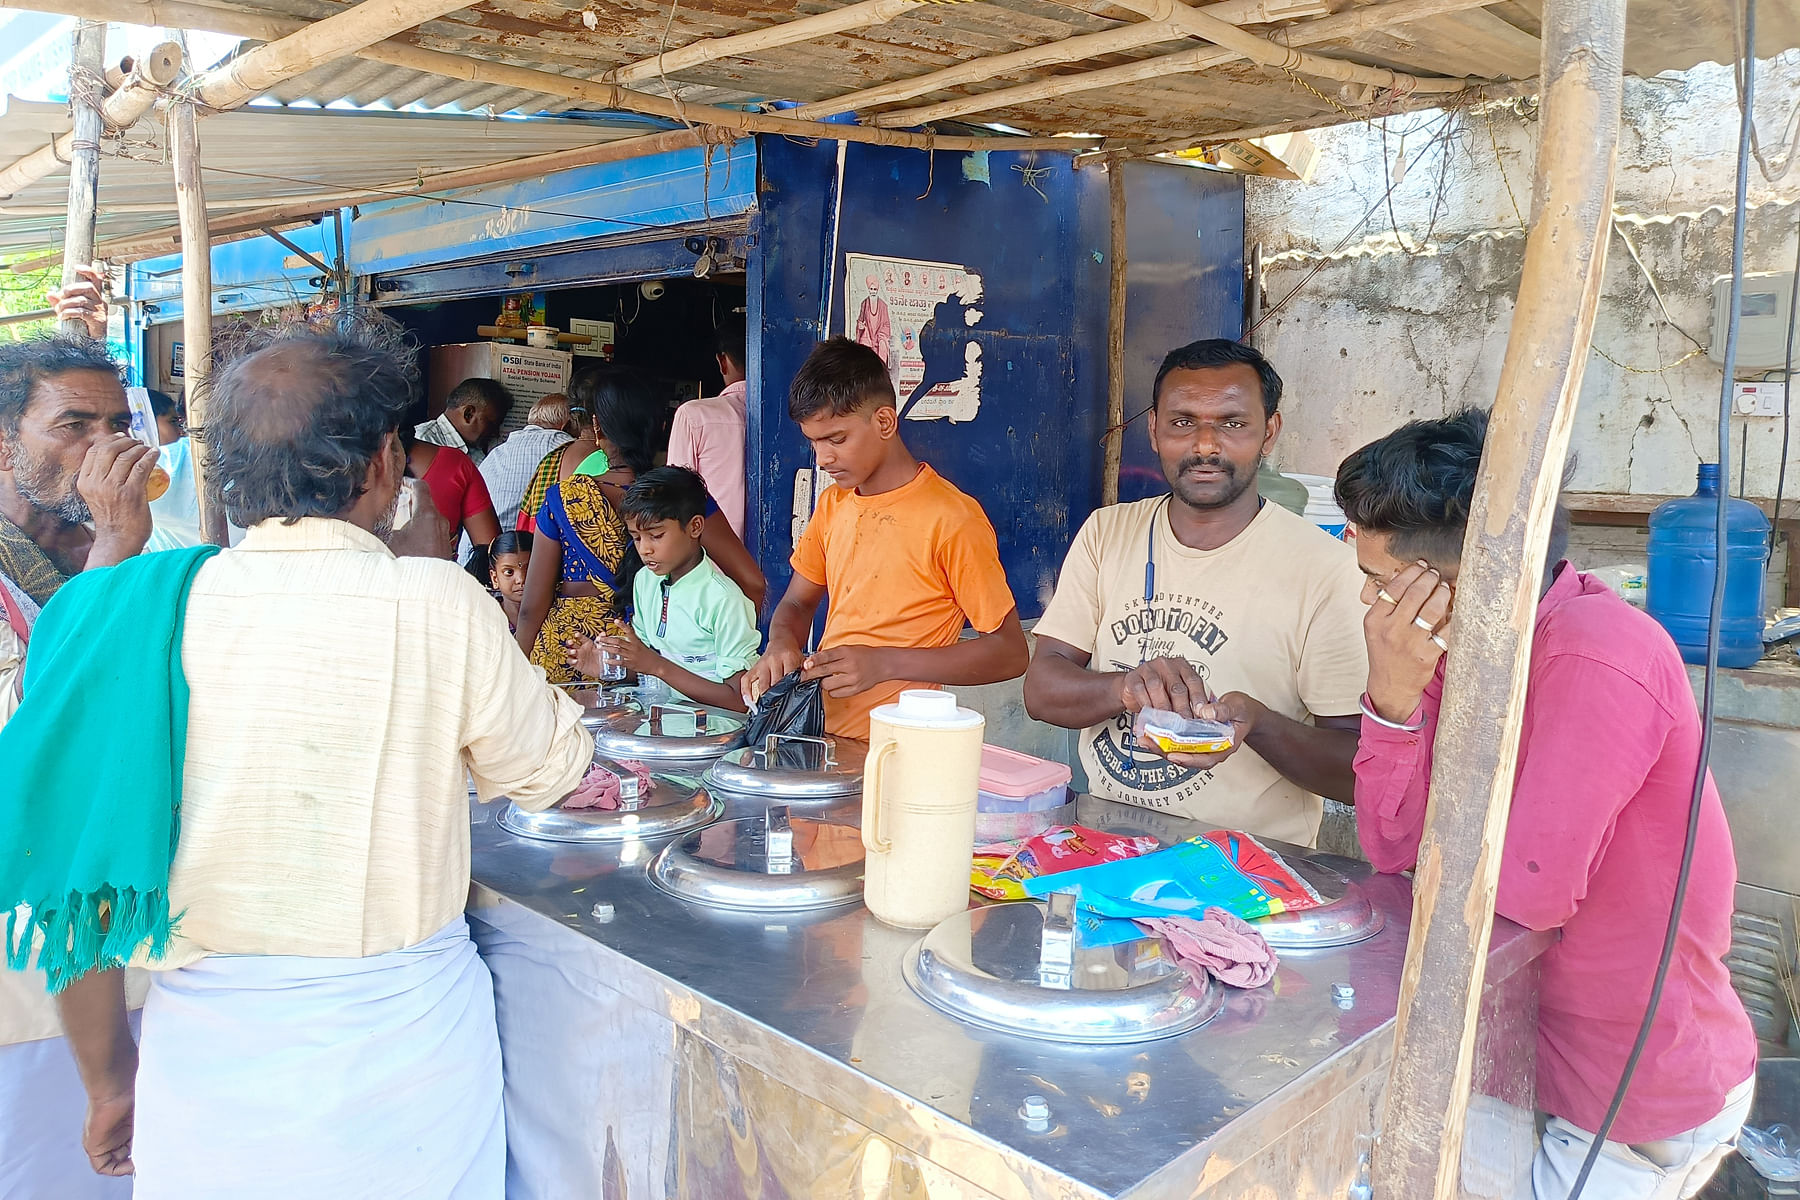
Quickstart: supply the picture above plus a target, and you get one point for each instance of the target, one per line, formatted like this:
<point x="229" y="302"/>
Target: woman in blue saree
<point x="579" y="579"/>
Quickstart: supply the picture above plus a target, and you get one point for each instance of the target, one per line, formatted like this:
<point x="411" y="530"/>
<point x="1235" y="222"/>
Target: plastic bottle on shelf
<point x="1683" y="556"/>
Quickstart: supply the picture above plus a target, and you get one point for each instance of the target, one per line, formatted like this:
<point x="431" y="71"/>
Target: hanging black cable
<point x="1714" y="618"/>
<point x="1787" y="387"/>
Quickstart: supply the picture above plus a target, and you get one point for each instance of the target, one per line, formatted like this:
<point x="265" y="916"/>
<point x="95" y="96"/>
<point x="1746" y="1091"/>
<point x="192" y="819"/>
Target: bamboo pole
<point x="1266" y="53"/>
<point x="294" y="211"/>
<point x="1496" y="602"/>
<point x="1489" y="91"/>
<point x="1049" y="54"/>
<point x="860" y="15"/>
<point x="338" y="36"/>
<point x="608" y="95"/>
<point x="196" y="297"/>
<point x="121" y="110"/>
<point x="1340" y="25"/>
<point x="167" y="14"/>
<point x="1115" y="339"/>
<point x="87" y="78"/>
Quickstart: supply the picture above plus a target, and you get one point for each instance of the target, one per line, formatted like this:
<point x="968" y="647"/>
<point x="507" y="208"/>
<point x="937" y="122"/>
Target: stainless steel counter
<point x="657" y="1049"/>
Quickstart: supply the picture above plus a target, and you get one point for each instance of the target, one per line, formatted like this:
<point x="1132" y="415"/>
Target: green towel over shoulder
<point x="91" y="794"/>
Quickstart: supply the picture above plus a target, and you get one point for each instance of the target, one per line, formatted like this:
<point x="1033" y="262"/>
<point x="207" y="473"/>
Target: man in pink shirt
<point x="708" y="435"/>
<point x="1594" y="840"/>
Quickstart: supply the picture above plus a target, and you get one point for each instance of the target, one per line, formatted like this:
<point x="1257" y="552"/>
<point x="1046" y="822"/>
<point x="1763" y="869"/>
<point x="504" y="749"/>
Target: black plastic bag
<point x="791" y="707"/>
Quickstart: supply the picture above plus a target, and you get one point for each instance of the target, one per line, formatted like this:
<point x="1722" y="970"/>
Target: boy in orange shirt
<point x="906" y="558"/>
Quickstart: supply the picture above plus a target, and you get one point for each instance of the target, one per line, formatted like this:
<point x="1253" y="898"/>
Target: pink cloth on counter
<point x="600" y="787"/>
<point x="1223" y="945"/>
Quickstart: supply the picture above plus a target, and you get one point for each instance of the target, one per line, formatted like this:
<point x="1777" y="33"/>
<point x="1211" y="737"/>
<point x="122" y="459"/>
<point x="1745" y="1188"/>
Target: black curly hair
<point x="1417" y="483"/>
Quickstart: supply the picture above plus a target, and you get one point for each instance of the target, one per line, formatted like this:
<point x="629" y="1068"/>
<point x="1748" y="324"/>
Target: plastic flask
<point x="919" y="792"/>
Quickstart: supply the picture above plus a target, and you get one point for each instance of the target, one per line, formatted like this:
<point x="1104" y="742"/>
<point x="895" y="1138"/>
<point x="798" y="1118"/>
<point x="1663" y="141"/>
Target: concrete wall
<point x="1409" y="317"/>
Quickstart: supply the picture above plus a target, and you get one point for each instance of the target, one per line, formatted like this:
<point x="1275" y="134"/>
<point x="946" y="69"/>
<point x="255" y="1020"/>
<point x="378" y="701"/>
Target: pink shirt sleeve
<point x="1567" y="794"/>
<point x="684" y="439"/>
<point x="1393" y="775"/>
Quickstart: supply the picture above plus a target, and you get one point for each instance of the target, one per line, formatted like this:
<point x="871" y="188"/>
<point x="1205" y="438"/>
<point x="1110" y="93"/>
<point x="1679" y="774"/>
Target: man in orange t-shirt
<point x="907" y="559"/>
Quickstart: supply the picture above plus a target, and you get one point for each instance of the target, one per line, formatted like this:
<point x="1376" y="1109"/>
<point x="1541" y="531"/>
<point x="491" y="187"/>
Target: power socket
<point x="1758" y="399"/>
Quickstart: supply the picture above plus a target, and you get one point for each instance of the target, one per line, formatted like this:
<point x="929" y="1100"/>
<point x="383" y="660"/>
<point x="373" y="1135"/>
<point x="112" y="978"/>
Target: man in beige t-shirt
<point x="1213" y="602"/>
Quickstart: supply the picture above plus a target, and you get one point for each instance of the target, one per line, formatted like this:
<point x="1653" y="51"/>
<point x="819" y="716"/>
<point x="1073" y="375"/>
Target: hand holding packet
<point x="1172" y="733"/>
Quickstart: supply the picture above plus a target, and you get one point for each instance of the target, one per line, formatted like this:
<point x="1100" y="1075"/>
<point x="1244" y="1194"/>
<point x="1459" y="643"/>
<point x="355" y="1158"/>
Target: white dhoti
<point x="287" y="1077"/>
<point x="42" y="1109"/>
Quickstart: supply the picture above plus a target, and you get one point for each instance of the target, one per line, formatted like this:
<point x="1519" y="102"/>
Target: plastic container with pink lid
<point x="1012" y="782"/>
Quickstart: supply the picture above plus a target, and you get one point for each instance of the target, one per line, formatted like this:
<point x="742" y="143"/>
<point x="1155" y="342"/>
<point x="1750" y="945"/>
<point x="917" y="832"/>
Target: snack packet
<point x="1230" y="870"/>
<point x="1000" y="870"/>
<point x="1173" y="733"/>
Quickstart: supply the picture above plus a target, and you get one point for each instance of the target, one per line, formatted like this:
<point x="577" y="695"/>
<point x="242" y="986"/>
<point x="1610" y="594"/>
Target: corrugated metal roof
<point x="255" y="157"/>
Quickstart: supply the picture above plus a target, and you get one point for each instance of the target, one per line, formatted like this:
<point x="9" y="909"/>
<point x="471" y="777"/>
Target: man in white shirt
<point x="509" y="467"/>
<point x="320" y="1024"/>
<point x="473" y="414"/>
<point x="708" y="435"/>
<point x="1210" y="602"/>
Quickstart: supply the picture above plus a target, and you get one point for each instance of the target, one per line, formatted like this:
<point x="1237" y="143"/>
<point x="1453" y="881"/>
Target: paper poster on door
<point x="916" y="315"/>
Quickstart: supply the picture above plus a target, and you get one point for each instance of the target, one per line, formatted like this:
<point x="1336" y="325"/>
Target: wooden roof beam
<point x="860" y="15"/>
<point x="1049" y="54"/>
<point x="1323" y="29"/>
<point x="396" y="52"/>
<point x="1492" y="91"/>
<point x="340" y="35"/>
<point x="121" y="110"/>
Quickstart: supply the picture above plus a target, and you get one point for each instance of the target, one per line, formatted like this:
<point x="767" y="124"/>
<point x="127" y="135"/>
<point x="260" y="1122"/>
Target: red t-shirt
<point x="1593" y="843"/>
<point x="457" y="487"/>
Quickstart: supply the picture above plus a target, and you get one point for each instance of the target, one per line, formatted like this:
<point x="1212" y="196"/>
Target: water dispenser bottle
<point x="1683" y="556"/>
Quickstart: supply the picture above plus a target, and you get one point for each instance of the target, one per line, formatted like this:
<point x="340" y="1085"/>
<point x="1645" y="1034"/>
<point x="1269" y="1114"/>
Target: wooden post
<point x="196" y="296"/>
<point x="1115" y="340"/>
<point x="1498" y="589"/>
<point x="87" y="84"/>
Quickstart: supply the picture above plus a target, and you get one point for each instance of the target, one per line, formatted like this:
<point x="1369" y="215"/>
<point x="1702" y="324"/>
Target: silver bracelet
<point x="1383" y="721"/>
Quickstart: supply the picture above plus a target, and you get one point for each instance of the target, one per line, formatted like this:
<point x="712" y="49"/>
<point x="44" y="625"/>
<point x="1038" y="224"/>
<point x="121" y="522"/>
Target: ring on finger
<point x="1440" y="643"/>
<point x="1382" y="595"/>
<point x="1427" y="626"/>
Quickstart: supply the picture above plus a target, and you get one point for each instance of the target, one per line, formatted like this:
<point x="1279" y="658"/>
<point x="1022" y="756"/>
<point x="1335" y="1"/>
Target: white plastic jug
<point x="918" y="827"/>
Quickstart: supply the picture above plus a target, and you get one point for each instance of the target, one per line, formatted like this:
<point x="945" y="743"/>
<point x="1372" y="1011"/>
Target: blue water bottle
<point x="1683" y="557"/>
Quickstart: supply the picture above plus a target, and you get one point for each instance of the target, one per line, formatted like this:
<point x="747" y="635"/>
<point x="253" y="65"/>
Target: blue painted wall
<point x="1032" y="455"/>
<point x="1184" y="280"/>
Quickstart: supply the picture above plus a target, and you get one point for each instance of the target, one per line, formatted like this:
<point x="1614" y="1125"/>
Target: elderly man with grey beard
<point x="72" y="497"/>
<point x="318" y="1022"/>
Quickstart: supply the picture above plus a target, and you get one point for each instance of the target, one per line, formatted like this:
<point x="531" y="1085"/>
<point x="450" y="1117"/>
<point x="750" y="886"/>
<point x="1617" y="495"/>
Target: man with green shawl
<point x="293" y="860"/>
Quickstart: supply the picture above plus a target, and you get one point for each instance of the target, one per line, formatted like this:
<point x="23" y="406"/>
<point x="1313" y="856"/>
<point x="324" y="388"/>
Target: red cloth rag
<point x="600" y="787"/>
<point x="1221" y="944"/>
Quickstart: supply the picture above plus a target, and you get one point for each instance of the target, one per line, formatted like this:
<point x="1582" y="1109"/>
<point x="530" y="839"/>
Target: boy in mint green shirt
<point x="691" y="626"/>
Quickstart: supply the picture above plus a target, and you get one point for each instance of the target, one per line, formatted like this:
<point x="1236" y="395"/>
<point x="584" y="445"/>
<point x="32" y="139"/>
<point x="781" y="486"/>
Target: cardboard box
<point x="528" y="373"/>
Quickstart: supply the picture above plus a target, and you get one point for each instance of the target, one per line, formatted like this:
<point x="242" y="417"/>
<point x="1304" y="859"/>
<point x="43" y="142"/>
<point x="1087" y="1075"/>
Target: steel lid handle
<point x="1056" y="945"/>
<point x="778" y="841"/>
